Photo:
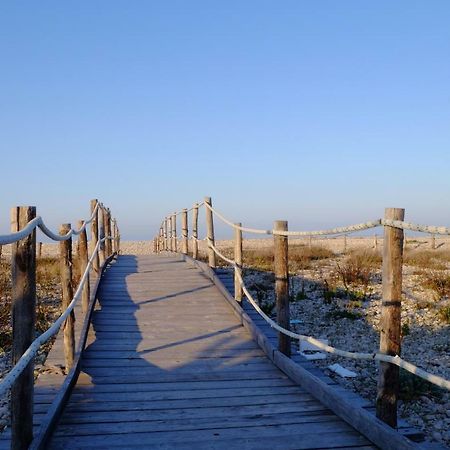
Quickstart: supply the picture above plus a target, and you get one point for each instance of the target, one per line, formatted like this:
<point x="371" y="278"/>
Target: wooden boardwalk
<point x="169" y="365"/>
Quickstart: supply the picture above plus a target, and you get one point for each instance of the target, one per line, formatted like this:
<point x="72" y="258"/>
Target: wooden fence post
<point x="65" y="253"/>
<point x="174" y="233"/>
<point x="390" y="323"/>
<point x="23" y="311"/>
<point x="282" y="285"/>
<point x="39" y="250"/>
<point x="94" y="236"/>
<point x="166" y="234"/>
<point x="195" y="231"/>
<point x="345" y="243"/>
<point x="433" y="242"/>
<point x="375" y="242"/>
<point x="83" y="261"/>
<point x="184" y="232"/>
<point x="210" y="233"/>
<point x="238" y="261"/>
<point x="102" y="235"/>
<point x="107" y="230"/>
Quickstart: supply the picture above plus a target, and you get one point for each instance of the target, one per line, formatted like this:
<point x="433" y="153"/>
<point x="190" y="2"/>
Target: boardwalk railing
<point x="105" y="239"/>
<point x="390" y="334"/>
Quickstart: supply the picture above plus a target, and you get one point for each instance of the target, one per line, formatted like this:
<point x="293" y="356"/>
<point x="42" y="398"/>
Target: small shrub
<point x="357" y="270"/>
<point x="413" y="387"/>
<point x="444" y="314"/>
<point x="406" y="330"/>
<point x="267" y="307"/>
<point x="438" y="282"/>
<point x="343" y="314"/>
<point x="301" y="256"/>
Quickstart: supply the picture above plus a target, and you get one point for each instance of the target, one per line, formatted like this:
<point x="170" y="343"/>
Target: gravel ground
<point x="354" y="326"/>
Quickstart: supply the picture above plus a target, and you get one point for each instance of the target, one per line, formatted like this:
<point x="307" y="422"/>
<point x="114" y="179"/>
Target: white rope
<point x="38" y="222"/>
<point x="32" y="350"/>
<point x="435" y="379"/>
<point x="339" y="230"/>
<point x="415" y="227"/>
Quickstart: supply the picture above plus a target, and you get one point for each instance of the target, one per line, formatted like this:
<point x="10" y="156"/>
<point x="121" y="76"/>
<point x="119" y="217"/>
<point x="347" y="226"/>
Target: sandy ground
<point x="337" y="245"/>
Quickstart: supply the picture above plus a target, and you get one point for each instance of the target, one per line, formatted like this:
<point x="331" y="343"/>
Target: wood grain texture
<point x="176" y="367"/>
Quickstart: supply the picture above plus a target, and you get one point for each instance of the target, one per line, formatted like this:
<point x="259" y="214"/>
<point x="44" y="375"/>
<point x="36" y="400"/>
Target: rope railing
<point x="30" y="353"/>
<point x="105" y="238"/>
<point x="390" y="333"/>
<point x="338" y="230"/>
<point x="434" y="379"/>
<point x="38" y="222"/>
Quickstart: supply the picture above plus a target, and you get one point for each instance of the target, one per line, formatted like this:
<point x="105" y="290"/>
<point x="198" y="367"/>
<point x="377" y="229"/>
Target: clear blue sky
<point x="318" y="112"/>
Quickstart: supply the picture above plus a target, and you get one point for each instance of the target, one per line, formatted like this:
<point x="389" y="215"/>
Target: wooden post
<point x="39" y="250"/>
<point x="166" y="234"/>
<point x="345" y="243"/>
<point x="65" y="254"/>
<point x="210" y="233"/>
<point x="375" y="242"/>
<point x="107" y="231"/>
<point x="390" y="335"/>
<point x="94" y="236"/>
<point x="23" y="312"/>
<point x="238" y="261"/>
<point x="1" y="250"/>
<point x="83" y="261"/>
<point x="282" y="285"/>
<point x="102" y="235"/>
<point x="433" y="242"/>
<point x="161" y="240"/>
<point x="174" y="233"/>
<point x="195" y="231"/>
<point x="184" y="231"/>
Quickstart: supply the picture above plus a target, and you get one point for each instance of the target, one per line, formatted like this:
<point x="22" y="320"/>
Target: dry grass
<point x="300" y="257"/>
<point x="427" y="259"/>
<point x="47" y="304"/>
<point x="357" y="271"/>
<point x="438" y="281"/>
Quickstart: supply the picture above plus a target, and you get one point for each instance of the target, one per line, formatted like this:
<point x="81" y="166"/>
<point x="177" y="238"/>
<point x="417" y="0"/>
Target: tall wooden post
<point x="166" y="234"/>
<point x="102" y="235"/>
<point x="184" y="232"/>
<point x="210" y="233"/>
<point x="433" y="242"/>
<point x="195" y="231"/>
<point x="39" y="250"/>
<point x="107" y="230"/>
<point x="238" y="261"/>
<point x="174" y="233"/>
<point x="23" y="272"/>
<point x="94" y="236"/>
<point x="65" y="254"/>
<point x="161" y="239"/>
<point x="83" y="259"/>
<point x="388" y="381"/>
<point x="282" y="285"/>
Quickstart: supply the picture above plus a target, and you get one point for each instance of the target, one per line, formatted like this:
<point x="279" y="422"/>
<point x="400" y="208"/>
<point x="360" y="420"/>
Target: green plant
<point x="406" y="330"/>
<point x="267" y="307"/>
<point x="444" y="314"/>
<point x="413" y="387"/>
<point x="343" y="314"/>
